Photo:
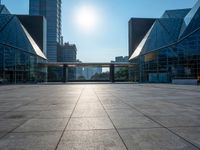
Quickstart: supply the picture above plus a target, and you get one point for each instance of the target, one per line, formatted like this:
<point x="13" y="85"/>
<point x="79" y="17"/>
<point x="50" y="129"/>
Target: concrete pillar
<point x="65" y="73"/>
<point x="112" y="73"/>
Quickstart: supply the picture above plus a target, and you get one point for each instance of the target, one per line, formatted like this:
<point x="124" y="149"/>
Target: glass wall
<point x="17" y="66"/>
<point x="89" y="73"/>
<point x="55" y="74"/>
<point x="179" y="61"/>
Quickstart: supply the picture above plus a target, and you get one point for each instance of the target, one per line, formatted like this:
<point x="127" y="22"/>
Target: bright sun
<point x="86" y="18"/>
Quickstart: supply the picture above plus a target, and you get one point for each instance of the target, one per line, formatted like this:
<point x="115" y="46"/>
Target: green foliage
<point x="121" y="74"/>
<point x="81" y="78"/>
<point x="101" y="76"/>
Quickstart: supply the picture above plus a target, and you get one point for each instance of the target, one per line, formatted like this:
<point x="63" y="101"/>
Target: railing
<point x="92" y="72"/>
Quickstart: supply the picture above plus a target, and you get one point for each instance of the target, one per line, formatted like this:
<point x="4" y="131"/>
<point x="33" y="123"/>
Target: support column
<point x="112" y="73"/>
<point x="65" y="73"/>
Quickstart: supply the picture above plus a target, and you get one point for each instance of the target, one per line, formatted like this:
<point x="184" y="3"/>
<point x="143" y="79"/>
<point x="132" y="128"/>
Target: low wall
<point x="185" y="81"/>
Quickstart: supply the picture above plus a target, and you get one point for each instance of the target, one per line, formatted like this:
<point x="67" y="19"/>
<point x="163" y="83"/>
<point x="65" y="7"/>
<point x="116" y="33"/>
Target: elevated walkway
<point x="110" y="66"/>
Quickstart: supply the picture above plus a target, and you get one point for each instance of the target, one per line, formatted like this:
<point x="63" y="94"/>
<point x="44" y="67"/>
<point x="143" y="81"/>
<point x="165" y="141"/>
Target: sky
<point x="107" y="35"/>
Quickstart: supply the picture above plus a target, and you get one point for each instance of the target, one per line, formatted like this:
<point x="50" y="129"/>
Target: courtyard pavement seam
<point x="11" y="89"/>
<point x="113" y="129"/>
<point x="51" y="131"/>
<point x="178" y="89"/>
<point x="111" y="120"/>
<point x="158" y="123"/>
<point x="4" y="112"/>
<point x="69" y="119"/>
<point x="25" y="120"/>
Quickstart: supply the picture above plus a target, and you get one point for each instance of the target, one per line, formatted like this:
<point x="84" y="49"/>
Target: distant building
<point x="88" y="72"/>
<point x="51" y="10"/>
<point x="121" y="59"/>
<point x="167" y="49"/>
<point x="67" y="53"/>
<point x="85" y="73"/>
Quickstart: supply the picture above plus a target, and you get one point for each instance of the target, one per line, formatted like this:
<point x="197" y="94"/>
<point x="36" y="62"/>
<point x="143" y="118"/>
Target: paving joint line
<point x="14" y="88"/>
<point x="158" y="123"/>
<point x="38" y="131"/>
<point x="25" y="120"/>
<point x="180" y="89"/>
<point x="111" y="121"/>
<point x="69" y="119"/>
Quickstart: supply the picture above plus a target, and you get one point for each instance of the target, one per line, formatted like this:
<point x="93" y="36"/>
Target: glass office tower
<point x="170" y="48"/>
<point x="51" y="10"/>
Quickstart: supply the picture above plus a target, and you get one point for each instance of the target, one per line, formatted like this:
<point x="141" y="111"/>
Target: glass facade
<point x="51" y="10"/>
<point x="21" y="60"/>
<point x="166" y="56"/>
<point x="17" y="66"/>
<point x="89" y="72"/>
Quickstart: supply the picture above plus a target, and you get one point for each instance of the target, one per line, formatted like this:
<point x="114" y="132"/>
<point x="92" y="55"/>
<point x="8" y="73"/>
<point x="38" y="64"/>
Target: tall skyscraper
<point x="51" y="10"/>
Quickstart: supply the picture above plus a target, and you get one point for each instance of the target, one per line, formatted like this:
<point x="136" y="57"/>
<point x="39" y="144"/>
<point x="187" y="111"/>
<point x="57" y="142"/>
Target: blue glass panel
<point x="9" y="58"/>
<point x="194" y="24"/>
<point x="181" y="13"/>
<point x="190" y="46"/>
<point x="4" y="19"/>
<point x="1" y="57"/>
<point x="14" y="34"/>
<point x="191" y="21"/>
<point x="164" y="32"/>
<point x="3" y="10"/>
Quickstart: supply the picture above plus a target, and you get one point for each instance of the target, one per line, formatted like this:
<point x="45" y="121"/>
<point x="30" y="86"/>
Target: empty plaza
<point x="100" y="117"/>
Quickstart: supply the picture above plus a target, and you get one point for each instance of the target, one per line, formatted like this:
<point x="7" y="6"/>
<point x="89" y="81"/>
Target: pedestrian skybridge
<point x="89" y="72"/>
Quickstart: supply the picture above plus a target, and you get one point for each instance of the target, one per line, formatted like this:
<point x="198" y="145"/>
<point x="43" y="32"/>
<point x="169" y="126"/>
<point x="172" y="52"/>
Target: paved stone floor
<point x="100" y="117"/>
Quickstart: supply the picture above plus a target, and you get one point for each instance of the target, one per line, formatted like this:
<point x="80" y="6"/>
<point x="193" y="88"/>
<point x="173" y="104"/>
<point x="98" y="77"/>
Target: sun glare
<point x="87" y="18"/>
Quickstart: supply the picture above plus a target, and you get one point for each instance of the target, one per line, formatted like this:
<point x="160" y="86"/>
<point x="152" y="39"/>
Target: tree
<point x="101" y="76"/>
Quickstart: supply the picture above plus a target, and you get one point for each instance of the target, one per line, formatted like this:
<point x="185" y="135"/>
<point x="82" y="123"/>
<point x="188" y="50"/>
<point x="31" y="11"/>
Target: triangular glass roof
<point x="4" y="20"/>
<point x="35" y="46"/>
<point x="191" y="20"/>
<point x="1" y="7"/>
<point x="15" y="34"/>
<point x="141" y="45"/>
<point x="3" y="10"/>
<point x="165" y="31"/>
<point x="180" y="13"/>
<point x="193" y="48"/>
